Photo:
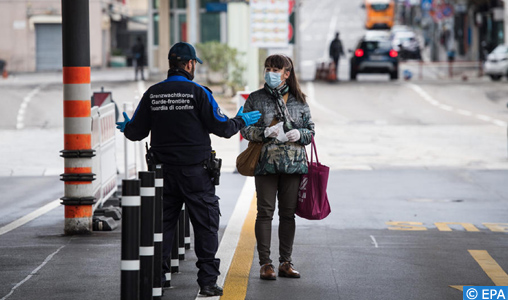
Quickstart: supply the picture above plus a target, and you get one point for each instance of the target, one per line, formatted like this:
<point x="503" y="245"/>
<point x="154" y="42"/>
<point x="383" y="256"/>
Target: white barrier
<point x="104" y="161"/>
<point x="96" y="161"/>
<point x="130" y="149"/>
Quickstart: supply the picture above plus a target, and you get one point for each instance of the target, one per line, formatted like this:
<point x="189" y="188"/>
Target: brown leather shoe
<point x="286" y="270"/>
<point x="267" y="272"/>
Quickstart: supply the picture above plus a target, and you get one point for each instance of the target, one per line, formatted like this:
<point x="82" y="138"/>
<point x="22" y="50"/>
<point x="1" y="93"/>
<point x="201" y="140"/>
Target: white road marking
<point x="232" y="233"/>
<point x="34" y="272"/>
<point x="484" y="118"/>
<point x="312" y="101"/>
<point x="20" y="119"/>
<point x="374" y="241"/>
<point x="500" y="123"/>
<point x="445" y="107"/>
<point x="462" y="112"/>
<point x="35" y="214"/>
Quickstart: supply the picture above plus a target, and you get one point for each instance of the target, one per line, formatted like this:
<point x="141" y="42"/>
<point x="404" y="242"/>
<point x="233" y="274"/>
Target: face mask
<point x="273" y="79"/>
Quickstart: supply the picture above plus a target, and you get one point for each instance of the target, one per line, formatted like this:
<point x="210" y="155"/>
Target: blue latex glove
<point x="121" y="125"/>
<point x="249" y="117"/>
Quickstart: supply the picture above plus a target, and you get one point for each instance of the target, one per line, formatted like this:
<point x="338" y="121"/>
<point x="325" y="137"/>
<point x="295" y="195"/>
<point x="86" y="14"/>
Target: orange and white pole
<point x="78" y="153"/>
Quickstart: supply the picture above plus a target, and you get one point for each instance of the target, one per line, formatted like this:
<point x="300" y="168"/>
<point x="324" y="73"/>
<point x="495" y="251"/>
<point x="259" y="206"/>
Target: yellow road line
<point x="459" y="287"/>
<point x="235" y="286"/>
<point x="490" y="266"/>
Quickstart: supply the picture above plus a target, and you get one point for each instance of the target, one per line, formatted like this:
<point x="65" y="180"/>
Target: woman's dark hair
<point x="281" y="61"/>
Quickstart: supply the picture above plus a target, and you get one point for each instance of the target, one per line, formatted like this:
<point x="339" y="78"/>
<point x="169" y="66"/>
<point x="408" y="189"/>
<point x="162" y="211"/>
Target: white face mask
<point x="273" y="79"/>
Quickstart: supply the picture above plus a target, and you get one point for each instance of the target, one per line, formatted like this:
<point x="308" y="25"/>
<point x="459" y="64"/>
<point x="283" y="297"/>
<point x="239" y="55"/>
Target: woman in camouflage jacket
<point x="281" y="163"/>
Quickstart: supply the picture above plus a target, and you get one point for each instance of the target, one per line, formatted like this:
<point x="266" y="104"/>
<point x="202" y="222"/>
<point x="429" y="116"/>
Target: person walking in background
<point x="336" y="51"/>
<point x="180" y="115"/>
<point x="138" y="52"/>
<point x="285" y="128"/>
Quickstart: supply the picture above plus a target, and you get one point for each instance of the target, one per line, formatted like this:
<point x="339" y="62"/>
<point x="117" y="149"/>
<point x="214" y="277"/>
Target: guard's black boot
<point x="211" y="290"/>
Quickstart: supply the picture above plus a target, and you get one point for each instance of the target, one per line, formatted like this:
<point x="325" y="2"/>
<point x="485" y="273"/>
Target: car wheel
<point x="394" y="75"/>
<point x="495" y="77"/>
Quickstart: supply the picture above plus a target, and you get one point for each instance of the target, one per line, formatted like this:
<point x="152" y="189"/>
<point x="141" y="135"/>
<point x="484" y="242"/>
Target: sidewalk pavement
<point x="39" y="262"/>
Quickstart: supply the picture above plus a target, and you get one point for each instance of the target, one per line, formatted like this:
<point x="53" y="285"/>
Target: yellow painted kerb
<point x="235" y="286"/>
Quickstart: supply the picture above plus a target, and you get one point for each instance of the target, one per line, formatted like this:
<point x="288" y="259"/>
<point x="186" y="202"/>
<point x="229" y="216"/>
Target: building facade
<point x="31" y="33"/>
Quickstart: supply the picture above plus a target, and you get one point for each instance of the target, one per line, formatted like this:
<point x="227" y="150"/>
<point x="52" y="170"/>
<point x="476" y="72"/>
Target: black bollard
<point x="181" y="234"/>
<point x="146" y="248"/>
<point x="131" y="201"/>
<point x="157" y="236"/>
<point x="187" y="230"/>
<point x="167" y="276"/>
<point x="175" y="263"/>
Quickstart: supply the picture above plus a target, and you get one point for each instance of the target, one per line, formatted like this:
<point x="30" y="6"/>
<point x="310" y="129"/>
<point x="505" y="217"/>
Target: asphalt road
<point x="417" y="187"/>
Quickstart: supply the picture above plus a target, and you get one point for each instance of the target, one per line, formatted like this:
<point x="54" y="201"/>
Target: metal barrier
<point x="130" y="166"/>
<point x="442" y="69"/>
<point x="104" y="162"/>
<point x="326" y="71"/>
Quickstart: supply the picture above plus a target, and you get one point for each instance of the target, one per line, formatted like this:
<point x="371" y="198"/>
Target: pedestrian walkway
<point x="38" y="262"/>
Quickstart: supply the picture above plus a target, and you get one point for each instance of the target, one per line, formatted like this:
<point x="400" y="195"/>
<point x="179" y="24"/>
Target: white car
<point x="496" y="65"/>
<point x="377" y="34"/>
<point x="406" y="43"/>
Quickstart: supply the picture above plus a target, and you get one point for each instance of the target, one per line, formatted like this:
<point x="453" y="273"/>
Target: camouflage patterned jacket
<point x="279" y="157"/>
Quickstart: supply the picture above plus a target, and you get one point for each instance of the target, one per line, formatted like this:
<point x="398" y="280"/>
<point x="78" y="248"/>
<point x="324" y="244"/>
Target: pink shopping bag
<point x="312" y="198"/>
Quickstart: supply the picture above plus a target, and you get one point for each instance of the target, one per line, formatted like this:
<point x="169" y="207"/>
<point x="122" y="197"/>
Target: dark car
<point x="374" y="55"/>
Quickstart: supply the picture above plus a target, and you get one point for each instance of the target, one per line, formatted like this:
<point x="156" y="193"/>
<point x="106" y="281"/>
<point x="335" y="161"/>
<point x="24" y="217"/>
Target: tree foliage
<point x="222" y="59"/>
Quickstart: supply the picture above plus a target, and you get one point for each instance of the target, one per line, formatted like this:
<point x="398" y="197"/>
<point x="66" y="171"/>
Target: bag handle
<point x="312" y="150"/>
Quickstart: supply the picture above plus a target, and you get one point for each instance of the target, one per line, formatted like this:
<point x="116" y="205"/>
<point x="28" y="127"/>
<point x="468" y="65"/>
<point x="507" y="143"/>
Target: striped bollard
<point x="175" y="262"/>
<point x="187" y="230"/>
<point x="167" y="275"/>
<point x="131" y="202"/>
<point x="157" y="236"/>
<point x="146" y="248"/>
<point x="78" y="194"/>
<point x="181" y="234"/>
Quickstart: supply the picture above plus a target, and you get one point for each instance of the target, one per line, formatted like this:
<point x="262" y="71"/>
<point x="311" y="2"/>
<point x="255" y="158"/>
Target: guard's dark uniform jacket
<point x="181" y="114"/>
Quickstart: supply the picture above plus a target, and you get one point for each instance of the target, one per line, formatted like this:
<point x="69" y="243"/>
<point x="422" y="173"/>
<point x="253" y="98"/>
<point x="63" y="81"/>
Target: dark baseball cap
<point x="183" y="51"/>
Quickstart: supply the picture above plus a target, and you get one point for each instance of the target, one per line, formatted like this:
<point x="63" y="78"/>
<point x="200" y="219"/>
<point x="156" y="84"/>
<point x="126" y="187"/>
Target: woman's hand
<point x="293" y="135"/>
<point x="271" y="132"/>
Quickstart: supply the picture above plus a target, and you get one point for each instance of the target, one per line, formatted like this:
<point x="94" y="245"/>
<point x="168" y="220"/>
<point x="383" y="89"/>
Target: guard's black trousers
<point x="192" y="185"/>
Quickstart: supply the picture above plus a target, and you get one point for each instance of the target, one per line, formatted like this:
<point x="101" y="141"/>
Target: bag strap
<point x="312" y="150"/>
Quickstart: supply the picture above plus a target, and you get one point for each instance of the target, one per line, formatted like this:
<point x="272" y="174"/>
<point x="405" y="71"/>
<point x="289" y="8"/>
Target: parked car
<point x="496" y="65"/>
<point x="406" y="43"/>
<point x="374" y="55"/>
<point x="397" y="28"/>
<point x="377" y="34"/>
